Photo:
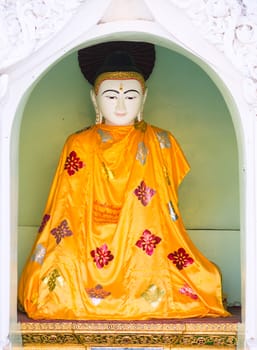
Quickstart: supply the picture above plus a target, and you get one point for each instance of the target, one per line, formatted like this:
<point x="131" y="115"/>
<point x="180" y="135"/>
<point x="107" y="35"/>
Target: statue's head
<point x="119" y="90"/>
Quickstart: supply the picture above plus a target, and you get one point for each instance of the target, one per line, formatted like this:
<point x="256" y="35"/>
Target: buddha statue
<point x="112" y="244"/>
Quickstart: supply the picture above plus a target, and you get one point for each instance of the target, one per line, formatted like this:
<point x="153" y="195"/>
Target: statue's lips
<point x="120" y="114"/>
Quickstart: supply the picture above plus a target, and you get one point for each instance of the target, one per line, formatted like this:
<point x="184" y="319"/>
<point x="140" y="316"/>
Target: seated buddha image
<point x="112" y="244"/>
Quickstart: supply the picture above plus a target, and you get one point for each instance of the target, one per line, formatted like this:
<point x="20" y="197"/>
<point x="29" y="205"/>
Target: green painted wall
<point x="181" y="98"/>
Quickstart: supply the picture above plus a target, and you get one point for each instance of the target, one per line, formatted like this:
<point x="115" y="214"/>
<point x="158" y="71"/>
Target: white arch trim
<point x="221" y="36"/>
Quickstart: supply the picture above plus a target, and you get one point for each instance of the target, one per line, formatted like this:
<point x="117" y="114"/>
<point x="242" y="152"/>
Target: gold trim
<point x="131" y="340"/>
<point x="166" y="335"/>
<point x="118" y="76"/>
<point x="130" y="327"/>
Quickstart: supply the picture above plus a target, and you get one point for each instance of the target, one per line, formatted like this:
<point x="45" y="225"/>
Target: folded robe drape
<point x="112" y="244"/>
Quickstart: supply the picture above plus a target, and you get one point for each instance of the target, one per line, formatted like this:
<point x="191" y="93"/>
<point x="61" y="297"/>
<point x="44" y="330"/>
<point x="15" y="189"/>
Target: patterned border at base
<point x="128" y="334"/>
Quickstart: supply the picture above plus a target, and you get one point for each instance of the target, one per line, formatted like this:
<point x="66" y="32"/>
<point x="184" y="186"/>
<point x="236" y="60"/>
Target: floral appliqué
<point x="188" y="291"/>
<point x="144" y="193"/>
<point x="105" y="135"/>
<point x="148" y="242"/>
<point x="163" y="138"/>
<point x="73" y="163"/>
<point x="52" y="279"/>
<point x="97" y="294"/>
<point x="153" y="295"/>
<point x="102" y="256"/>
<point x="172" y="212"/>
<point x="180" y="258"/>
<point x="39" y="254"/>
<point x="61" y="231"/>
<point x="45" y="219"/>
<point x="142" y="152"/>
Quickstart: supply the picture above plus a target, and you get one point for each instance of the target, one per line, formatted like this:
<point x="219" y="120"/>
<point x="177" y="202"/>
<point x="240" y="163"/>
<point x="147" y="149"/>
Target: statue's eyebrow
<point x="117" y="92"/>
<point x="110" y="90"/>
<point x="132" y="90"/>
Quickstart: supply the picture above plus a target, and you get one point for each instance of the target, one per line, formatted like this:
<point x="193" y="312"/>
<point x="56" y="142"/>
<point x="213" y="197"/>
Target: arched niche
<point x="187" y="103"/>
<point x="24" y="75"/>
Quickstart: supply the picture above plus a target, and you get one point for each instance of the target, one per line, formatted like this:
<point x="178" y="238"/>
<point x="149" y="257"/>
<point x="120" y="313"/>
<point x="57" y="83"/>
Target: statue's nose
<point x="120" y="107"/>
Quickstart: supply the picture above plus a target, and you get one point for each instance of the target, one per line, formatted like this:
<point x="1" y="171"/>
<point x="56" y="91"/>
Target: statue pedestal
<point x="211" y="333"/>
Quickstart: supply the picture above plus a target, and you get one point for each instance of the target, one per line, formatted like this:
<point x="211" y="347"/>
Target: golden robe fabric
<point x="112" y="244"/>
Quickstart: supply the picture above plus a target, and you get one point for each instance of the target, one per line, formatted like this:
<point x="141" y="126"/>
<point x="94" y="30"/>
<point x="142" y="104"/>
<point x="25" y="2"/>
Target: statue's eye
<point x="111" y="97"/>
<point x="130" y="97"/>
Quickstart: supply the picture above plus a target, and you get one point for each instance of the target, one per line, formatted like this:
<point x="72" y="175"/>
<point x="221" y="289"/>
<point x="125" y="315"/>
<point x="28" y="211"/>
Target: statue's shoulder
<point x="159" y="130"/>
<point x="164" y="137"/>
<point x="79" y="136"/>
<point x="86" y="128"/>
<point x="82" y="133"/>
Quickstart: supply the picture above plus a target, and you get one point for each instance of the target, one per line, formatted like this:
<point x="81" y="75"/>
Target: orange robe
<point x="112" y="244"/>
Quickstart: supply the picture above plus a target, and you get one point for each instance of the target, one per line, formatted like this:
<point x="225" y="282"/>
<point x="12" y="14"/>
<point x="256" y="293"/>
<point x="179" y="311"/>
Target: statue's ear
<point x="98" y="114"/>
<point x="93" y="98"/>
<point x="144" y="97"/>
<point x="140" y="112"/>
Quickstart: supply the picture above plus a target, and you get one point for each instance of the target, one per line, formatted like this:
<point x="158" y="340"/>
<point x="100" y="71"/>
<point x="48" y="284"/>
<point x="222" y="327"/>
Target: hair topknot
<point x="116" y="56"/>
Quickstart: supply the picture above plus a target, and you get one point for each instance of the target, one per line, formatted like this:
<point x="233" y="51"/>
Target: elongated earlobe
<point x="140" y="114"/>
<point x="98" y="115"/>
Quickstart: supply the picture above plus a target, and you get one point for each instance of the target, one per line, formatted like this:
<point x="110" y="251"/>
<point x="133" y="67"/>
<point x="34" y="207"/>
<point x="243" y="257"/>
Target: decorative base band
<point x="164" y="334"/>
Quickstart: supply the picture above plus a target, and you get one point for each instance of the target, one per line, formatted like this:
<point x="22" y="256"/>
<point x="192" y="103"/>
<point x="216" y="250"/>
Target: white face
<point x="119" y="101"/>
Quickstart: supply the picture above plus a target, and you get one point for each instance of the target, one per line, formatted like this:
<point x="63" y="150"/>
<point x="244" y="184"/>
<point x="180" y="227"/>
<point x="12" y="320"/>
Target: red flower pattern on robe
<point x="180" y="258"/>
<point x="97" y="292"/>
<point x="73" y="163"/>
<point x="148" y="242"/>
<point x="144" y="193"/>
<point x="188" y="291"/>
<point x="61" y="231"/>
<point x="102" y="256"/>
<point x="45" y="219"/>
